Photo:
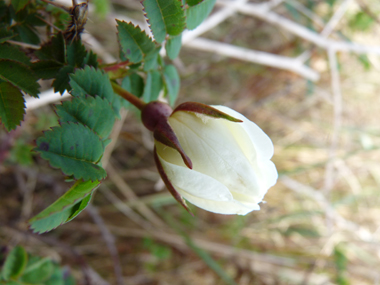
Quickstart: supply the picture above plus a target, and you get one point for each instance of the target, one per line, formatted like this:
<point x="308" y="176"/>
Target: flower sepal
<point x="203" y="109"/>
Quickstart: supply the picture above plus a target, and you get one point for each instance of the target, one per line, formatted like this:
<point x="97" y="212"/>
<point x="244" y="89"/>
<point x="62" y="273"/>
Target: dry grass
<point x="319" y="224"/>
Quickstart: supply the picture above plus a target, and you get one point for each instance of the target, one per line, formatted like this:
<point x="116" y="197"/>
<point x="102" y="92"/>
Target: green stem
<point x="138" y="103"/>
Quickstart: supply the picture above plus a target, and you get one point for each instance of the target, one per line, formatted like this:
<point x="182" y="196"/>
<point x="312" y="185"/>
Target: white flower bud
<point x="231" y="168"/>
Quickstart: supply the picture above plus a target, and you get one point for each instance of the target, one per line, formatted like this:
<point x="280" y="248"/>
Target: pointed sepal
<point x="206" y="110"/>
<point x="168" y="184"/>
<point x="165" y="135"/>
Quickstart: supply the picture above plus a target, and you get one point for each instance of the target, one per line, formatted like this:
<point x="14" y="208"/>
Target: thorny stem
<point x="139" y="104"/>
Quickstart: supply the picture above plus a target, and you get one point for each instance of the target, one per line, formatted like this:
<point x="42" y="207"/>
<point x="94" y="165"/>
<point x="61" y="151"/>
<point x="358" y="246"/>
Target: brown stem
<point x="138" y="103"/>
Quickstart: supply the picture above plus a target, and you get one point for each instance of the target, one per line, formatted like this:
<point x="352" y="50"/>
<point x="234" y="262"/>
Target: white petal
<point x="195" y="183"/>
<point x="216" y="152"/>
<point x="262" y="142"/>
<point x="220" y="207"/>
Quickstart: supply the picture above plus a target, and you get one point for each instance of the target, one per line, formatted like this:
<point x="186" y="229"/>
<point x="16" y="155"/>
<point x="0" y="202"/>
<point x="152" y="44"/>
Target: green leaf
<point x="57" y="278"/>
<point x="76" y="53"/>
<point x="94" y="112"/>
<point x="12" y="52"/>
<point x="172" y="82"/>
<point x="12" y="106"/>
<point x="46" y="69"/>
<point x="75" y="149"/>
<point x="173" y="46"/>
<point x="151" y="59"/>
<point x="91" y="59"/>
<point x="15" y="263"/>
<point x="53" y="50"/>
<point x="153" y="86"/>
<point x="165" y="17"/>
<point x="90" y="81"/>
<point x="66" y="208"/>
<point x="5" y="33"/>
<point x="61" y="82"/>
<point x="133" y="83"/>
<point x="37" y="270"/>
<point x="134" y="43"/>
<point x="193" y="2"/>
<point x="196" y="14"/>
<point x="19" y="4"/>
<point x="20" y="76"/>
<point x="26" y="34"/>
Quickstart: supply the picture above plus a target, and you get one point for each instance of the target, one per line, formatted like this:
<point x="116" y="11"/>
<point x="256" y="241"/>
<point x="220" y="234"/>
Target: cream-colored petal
<point x="220" y="207"/>
<point x="263" y="144"/>
<point x="194" y="183"/>
<point x="215" y="152"/>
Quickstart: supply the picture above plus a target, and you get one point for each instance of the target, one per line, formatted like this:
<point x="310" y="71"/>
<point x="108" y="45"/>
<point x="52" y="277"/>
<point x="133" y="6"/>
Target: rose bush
<point x="214" y="157"/>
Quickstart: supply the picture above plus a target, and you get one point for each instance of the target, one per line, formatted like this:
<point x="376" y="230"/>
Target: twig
<point x="110" y="241"/>
<point x="328" y="29"/>
<point x="262" y="12"/>
<point x="259" y="57"/>
<point x="320" y="199"/>
<point x="131" y="196"/>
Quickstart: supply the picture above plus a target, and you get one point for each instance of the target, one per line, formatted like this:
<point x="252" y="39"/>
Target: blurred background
<point x="308" y="73"/>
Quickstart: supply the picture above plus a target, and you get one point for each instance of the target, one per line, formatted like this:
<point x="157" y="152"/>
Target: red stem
<point x="138" y="103"/>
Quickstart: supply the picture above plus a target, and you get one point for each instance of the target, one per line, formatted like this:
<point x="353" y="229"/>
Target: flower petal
<point x="216" y="152"/>
<point x="193" y="182"/>
<point x="263" y="144"/>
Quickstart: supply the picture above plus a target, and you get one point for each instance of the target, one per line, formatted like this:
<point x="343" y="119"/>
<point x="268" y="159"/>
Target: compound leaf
<point x="134" y="42"/>
<point x="66" y="208"/>
<point x="94" y="112"/>
<point x="20" y="76"/>
<point x="90" y="81"/>
<point x="196" y="14"/>
<point x="172" y="82"/>
<point x="165" y="17"/>
<point x="75" y="149"/>
<point x="12" y="106"/>
<point x="15" y="263"/>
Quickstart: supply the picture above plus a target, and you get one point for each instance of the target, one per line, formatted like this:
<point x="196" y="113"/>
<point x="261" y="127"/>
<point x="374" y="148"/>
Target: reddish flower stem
<point x="138" y="103"/>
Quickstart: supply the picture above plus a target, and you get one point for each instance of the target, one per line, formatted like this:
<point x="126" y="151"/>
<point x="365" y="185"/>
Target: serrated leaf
<point x="75" y="149"/>
<point x="165" y="17"/>
<point x="12" y="52"/>
<point x="172" y="82"/>
<point x="15" y="263"/>
<point x="53" y="50"/>
<point x="19" y="4"/>
<point x="66" y="208"/>
<point x="90" y="81"/>
<point x="193" y="2"/>
<point x="76" y="53"/>
<point x="37" y="270"/>
<point x="153" y="86"/>
<point x="12" y="106"/>
<point x="20" y="76"/>
<point x="173" y="46"/>
<point x="46" y="69"/>
<point x="91" y="59"/>
<point x="151" y="58"/>
<point x="61" y="82"/>
<point x="196" y="14"/>
<point x="94" y="112"/>
<point x="134" y="42"/>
